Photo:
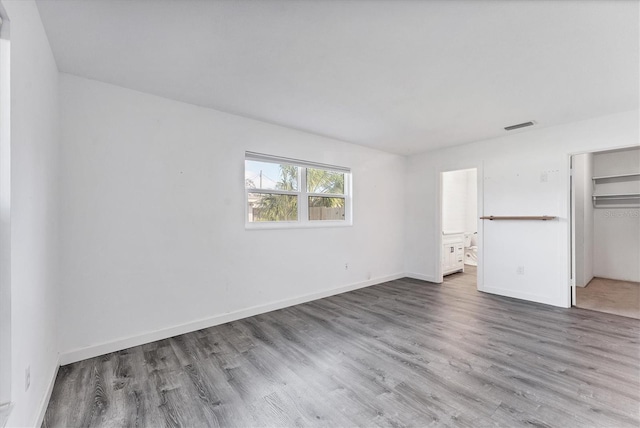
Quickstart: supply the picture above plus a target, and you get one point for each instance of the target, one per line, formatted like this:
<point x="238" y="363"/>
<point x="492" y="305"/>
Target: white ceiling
<point x="401" y="76"/>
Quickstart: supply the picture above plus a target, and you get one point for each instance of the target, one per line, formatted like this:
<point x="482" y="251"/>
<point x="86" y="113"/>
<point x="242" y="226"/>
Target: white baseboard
<point x="586" y="282"/>
<point x="140" y="339"/>
<point x="422" y="277"/>
<point x="45" y="400"/>
<point x="523" y="296"/>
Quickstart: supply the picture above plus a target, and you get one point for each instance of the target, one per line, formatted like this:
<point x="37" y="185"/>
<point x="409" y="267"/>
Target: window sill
<point x="296" y="225"/>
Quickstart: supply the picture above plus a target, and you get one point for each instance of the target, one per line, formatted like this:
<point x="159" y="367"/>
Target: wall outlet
<point x="27" y="378"/>
<point x="520" y="270"/>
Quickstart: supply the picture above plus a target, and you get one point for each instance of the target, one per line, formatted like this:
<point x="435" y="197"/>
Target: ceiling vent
<point x="518" y="126"/>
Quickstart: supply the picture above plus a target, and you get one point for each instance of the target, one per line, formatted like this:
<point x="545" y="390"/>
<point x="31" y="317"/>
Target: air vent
<point x="518" y="126"/>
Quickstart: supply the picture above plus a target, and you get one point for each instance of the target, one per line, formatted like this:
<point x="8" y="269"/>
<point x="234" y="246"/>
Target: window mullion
<point x="272" y="192"/>
<point x="303" y="200"/>
<point x="348" y="200"/>
<point x="328" y="195"/>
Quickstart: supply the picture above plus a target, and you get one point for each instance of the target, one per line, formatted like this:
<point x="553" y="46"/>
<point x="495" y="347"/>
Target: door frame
<point x="480" y="212"/>
<point x="5" y="212"/>
<point x="571" y="247"/>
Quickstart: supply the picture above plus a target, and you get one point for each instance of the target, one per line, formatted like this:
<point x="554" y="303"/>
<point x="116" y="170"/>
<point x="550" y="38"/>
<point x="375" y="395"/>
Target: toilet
<point x="471" y="248"/>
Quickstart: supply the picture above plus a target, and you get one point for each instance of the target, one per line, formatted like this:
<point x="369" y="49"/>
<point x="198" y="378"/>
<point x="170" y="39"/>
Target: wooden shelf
<point x="526" y="217"/>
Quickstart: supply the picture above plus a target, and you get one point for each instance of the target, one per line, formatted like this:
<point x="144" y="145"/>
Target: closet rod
<point x="525" y="217"/>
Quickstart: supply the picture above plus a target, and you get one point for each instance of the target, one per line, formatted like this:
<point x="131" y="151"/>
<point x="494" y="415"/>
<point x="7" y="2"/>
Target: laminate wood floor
<point x="403" y="353"/>
<point x="611" y="296"/>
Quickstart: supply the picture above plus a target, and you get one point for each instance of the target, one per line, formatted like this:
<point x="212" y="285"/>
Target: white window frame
<point x="302" y="194"/>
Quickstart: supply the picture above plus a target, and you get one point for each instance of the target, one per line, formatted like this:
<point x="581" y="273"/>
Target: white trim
<point x="80" y="354"/>
<point x="128" y="342"/>
<point x="312" y="224"/>
<point x="479" y="167"/>
<point x="571" y="229"/>
<point x="303" y="200"/>
<point x="480" y="223"/>
<point x="525" y="297"/>
<point x="326" y="195"/>
<point x="5" y="210"/>
<point x="47" y="397"/>
<point x="274" y="192"/>
<point x="422" y="277"/>
<point x="439" y="277"/>
<point x="261" y="157"/>
<point x="572" y="233"/>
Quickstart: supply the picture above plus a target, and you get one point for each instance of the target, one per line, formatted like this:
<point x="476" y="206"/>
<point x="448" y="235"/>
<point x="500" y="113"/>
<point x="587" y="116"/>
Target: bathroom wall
<point x="459" y="201"/>
<point x="583" y="217"/>
<point x="617" y="230"/>
<point x="472" y="201"/>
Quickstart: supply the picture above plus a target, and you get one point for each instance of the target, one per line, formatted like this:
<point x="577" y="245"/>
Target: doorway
<point x="459" y="228"/>
<point x="605" y="212"/>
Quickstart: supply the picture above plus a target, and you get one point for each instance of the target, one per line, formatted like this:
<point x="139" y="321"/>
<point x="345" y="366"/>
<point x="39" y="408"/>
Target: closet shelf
<point x="617" y="196"/>
<point x="613" y="191"/>
<point x="606" y="177"/>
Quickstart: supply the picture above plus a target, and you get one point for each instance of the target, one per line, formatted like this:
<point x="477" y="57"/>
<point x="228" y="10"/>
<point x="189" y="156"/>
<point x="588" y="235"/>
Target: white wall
<point x="583" y="227"/>
<point x="34" y="212"/>
<point x="472" y="201"/>
<point x="153" y="219"/>
<point x="459" y="201"/>
<point x="617" y="230"/>
<point x="5" y="217"/>
<point x="525" y="173"/>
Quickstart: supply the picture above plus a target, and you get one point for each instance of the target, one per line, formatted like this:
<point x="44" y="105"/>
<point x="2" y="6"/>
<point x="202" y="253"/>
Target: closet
<point x="606" y="230"/>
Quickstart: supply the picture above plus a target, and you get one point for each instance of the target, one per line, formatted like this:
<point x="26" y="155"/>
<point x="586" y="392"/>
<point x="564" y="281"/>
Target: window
<point x="283" y="192"/>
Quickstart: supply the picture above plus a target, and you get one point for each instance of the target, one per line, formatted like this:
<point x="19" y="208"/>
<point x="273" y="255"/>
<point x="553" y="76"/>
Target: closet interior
<point x="606" y="231"/>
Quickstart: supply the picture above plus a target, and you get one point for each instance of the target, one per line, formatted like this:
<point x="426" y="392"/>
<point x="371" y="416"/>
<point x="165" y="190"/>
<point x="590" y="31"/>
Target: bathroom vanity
<point x="452" y="253"/>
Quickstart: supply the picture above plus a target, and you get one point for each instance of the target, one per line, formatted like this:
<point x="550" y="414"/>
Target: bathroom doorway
<point x="605" y="231"/>
<point x="459" y="228"/>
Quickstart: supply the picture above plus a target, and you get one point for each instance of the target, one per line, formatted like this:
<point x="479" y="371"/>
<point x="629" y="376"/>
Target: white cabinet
<point x="452" y="253"/>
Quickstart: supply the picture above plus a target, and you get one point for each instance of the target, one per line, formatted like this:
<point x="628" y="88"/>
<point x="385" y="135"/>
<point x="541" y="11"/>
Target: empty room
<point x="347" y="213"/>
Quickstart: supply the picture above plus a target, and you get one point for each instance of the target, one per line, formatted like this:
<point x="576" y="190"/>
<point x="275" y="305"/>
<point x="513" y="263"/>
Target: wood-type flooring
<point x="402" y="353"/>
<point x="611" y="296"/>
